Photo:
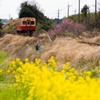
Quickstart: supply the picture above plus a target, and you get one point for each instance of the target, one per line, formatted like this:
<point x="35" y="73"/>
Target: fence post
<point x="38" y="48"/>
<point x="49" y="38"/>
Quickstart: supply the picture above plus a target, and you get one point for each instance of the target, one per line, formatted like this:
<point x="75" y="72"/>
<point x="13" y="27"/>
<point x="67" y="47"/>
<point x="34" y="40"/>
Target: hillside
<point x="64" y="49"/>
<point x="9" y="23"/>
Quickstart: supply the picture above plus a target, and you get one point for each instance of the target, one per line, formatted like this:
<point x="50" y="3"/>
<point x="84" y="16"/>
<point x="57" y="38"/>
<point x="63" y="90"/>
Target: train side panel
<point x="26" y="28"/>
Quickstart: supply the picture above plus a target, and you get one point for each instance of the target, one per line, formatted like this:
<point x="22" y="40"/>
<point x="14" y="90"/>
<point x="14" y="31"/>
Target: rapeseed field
<point x="36" y="81"/>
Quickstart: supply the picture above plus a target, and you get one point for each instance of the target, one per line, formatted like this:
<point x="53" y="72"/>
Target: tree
<point x="1" y="23"/>
<point x="28" y="10"/>
<point x="84" y="11"/>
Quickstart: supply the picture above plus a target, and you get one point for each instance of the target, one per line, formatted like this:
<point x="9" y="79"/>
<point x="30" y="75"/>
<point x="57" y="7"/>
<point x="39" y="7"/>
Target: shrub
<point x="10" y="29"/>
<point x="69" y="26"/>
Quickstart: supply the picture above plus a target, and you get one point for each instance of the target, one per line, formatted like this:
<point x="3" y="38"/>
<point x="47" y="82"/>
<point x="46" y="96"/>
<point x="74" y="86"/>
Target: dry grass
<point x="9" y="23"/>
<point x="14" y="44"/>
<point x="71" y="51"/>
<point x="93" y="40"/>
<point x="64" y="49"/>
<point x="21" y="46"/>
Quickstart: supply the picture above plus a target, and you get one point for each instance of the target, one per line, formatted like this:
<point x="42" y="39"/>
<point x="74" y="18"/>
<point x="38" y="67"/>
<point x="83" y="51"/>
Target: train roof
<point x="24" y="18"/>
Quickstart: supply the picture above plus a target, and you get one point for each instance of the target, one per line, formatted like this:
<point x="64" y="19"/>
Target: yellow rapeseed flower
<point x="17" y="60"/>
<point x="67" y="63"/>
<point x="8" y="71"/>
<point x="1" y="70"/>
<point x="34" y="81"/>
<point x="26" y="60"/>
<point x="99" y="71"/>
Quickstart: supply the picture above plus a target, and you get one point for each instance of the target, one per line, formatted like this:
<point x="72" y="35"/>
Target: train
<point x="25" y="26"/>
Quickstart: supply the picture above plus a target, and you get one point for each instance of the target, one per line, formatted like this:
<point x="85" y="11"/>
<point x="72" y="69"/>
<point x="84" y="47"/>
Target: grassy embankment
<point x="5" y="78"/>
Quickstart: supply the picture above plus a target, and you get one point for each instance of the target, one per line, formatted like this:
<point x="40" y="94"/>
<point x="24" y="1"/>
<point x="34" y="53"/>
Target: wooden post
<point x="40" y="49"/>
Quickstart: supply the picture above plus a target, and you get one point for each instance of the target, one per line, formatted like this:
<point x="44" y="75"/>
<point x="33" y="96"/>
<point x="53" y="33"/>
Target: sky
<point x="11" y="8"/>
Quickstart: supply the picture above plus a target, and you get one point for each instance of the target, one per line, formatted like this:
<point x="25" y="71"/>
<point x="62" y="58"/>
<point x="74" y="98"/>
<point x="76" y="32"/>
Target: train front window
<point x="32" y="22"/>
<point x="24" y="22"/>
<point x="28" y="23"/>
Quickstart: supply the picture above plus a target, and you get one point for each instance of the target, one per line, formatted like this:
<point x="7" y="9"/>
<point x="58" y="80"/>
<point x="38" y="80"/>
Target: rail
<point x="90" y="43"/>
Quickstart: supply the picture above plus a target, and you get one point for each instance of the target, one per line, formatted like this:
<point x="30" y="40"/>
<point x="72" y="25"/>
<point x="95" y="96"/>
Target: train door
<point x="28" y="25"/>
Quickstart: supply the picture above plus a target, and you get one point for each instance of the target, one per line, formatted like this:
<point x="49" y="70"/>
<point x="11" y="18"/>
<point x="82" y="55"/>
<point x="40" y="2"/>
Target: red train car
<point x="25" y="25"/>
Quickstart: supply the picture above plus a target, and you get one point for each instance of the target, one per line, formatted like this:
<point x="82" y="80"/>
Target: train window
<point x="28" y="23"/>
<point x="24" y="22"/>
<point x="32" y="22"/>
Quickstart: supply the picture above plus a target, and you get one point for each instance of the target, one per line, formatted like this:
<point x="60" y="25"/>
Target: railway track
<point x="21" y="33"/>
<point x="84" y="42"/>
<point x="90" y="43"/>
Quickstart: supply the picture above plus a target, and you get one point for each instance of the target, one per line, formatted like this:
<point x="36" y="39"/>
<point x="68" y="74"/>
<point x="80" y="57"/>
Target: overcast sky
<point x="10" y="8"/>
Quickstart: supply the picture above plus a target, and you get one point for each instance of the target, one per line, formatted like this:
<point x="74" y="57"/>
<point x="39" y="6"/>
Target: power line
<point x="68" y="10"/>
<point x="74" y="2"/>
<point x="50" y="12"/>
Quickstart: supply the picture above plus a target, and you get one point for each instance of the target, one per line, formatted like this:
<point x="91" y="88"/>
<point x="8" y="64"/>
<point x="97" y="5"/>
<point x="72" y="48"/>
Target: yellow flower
<point x="1" y="70"/>
<point x="21" y="63"/>
<point x="17" y="60"/>
<point x="58" y="63"/>
<point x="67" y="63"/>
<point x="76" y="73"/>
<point x="89" y="73"/>
<point x="26" y="60"/>
<point x="8" y="71"/>
<point x="99" y="63"/>
<point x="99" y="71"/>
<point x="14" y="72"/>
<point x="52" y="57"/>
<point x="14" y="66"/>
<point x="63" y="71"/>
<point x="46" y="83"/>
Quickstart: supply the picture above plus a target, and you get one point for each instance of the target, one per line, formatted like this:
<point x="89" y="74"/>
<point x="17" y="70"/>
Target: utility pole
<point x="88" y="16"/>
<point x="9" y="16"/>
<point x="68" y="11"/>
<point x="95" y="11"/>
<point x="79" y="13"/>
<point x="58" y="16"/>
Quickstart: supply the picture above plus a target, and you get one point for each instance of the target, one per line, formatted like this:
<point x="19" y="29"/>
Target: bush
<point x="68" y="26"/>
<point x="11" y="29"/>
